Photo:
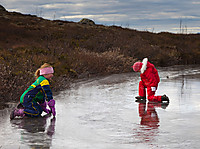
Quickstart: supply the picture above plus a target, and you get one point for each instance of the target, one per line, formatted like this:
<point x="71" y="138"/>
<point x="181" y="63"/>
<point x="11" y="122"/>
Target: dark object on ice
<point x="140" y="99"/>
<point x="164" y="99"/>
<point x="164" y="105"/>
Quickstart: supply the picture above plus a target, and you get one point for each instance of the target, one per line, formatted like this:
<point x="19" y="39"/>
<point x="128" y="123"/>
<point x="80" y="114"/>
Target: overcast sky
<point x="152" y="15"/>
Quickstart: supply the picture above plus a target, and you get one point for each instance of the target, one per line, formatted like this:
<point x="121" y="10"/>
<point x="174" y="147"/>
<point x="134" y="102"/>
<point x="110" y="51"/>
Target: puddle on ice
<point x="102" y="113"/>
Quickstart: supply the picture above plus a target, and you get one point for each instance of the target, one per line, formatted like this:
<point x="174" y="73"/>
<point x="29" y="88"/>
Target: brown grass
<point x="80" y="51"/>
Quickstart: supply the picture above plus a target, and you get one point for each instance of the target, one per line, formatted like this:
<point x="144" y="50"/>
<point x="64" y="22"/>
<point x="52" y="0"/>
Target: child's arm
<point x="46" y="90"/>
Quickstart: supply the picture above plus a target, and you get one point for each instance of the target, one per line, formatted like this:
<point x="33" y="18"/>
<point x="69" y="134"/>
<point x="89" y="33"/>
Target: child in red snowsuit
<point x="149" y="80"/>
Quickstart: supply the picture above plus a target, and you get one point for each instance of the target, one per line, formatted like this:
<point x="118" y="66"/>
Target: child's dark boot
<point x="164" y="98"/>
<point x="140" y="99"/>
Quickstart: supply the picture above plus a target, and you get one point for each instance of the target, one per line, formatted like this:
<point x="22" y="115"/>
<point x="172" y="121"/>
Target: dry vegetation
<point x="80" y="51"/>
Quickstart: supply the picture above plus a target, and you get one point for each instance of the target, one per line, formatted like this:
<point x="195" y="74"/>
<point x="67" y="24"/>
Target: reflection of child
<point x="35" y="97"/>
<point x="39" y="131"/>
<point x="149" y="80"/>
<point x="149" y="117"/>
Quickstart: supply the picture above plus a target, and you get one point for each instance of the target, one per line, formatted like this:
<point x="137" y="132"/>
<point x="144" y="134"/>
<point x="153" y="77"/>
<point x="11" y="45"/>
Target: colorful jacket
<point x="39" y="91"/>
<point x="149" y="74"/>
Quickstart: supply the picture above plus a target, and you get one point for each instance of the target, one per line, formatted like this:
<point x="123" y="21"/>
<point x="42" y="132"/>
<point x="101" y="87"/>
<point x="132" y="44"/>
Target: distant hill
<point x="80" y="50"/>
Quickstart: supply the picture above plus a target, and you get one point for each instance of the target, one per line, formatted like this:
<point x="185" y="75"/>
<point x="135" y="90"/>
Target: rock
<point x="86" y="21"/>
<point x="2" y="8"/>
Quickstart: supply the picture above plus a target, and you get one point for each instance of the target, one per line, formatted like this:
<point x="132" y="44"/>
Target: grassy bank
<point x="80" y="51"/>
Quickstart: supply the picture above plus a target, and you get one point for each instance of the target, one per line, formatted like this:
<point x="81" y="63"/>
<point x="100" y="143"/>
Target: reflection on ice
<point x="35" y="132"/>
<point x="102" y="113"/>
<point x="149" y="116"/>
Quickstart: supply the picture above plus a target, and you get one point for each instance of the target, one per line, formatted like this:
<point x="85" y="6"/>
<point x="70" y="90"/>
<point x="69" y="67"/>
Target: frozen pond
<point x="102" y="114"/>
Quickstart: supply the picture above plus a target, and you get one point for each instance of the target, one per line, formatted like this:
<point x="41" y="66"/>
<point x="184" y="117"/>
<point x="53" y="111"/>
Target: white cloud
<point x="106" y="17"/>
<point x="196" y="3"/>
<point x="153" y="13"/>
<point x="77" y="16"/>
<point x="63" y="5"/>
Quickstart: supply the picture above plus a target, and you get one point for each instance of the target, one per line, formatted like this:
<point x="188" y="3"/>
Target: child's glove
<point x="44" y="107"/>
<point x="51" y="104"/>
<point x="153" y="89"/>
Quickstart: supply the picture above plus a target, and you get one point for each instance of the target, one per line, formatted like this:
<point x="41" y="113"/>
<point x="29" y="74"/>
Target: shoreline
<point x="72" y="83"/>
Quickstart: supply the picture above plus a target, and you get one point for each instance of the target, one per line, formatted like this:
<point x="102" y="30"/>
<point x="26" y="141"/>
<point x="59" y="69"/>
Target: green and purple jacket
<point x="39" y="91"/>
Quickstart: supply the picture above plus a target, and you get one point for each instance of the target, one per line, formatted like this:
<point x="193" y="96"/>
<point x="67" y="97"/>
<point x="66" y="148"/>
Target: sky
<point x="175" y="16"/>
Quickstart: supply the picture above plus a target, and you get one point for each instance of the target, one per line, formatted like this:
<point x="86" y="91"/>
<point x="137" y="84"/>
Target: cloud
<point x="196" y="3"/>
<point x="105" y="18"/>
<point x="62" y="5"/>
<point x="156" y="14"/>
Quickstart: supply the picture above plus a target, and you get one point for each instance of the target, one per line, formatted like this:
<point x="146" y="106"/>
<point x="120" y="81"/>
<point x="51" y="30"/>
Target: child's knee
<point x="151" y="98"/>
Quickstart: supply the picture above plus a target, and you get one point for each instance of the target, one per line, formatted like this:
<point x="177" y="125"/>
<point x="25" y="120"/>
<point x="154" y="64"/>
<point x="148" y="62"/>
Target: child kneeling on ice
<point x="35" y="97"/>
<point x="149" y="80"/>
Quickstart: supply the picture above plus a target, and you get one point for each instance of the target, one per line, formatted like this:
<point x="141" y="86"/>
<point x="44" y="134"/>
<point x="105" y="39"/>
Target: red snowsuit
<point x="149" y="80"/>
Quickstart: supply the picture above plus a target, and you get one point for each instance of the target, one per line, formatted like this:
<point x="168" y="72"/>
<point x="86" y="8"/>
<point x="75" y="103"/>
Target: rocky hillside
<point x="80" y="50"/>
